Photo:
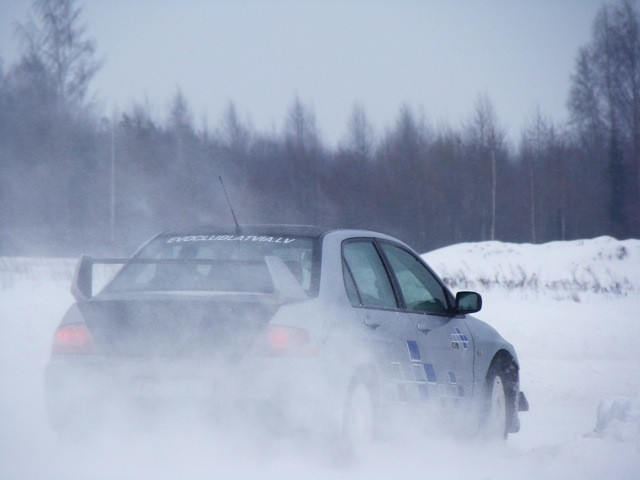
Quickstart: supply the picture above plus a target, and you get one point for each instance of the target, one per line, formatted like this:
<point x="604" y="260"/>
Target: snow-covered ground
<point x="570" y="308"/>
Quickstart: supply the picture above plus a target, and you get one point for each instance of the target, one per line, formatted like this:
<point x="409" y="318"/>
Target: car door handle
<point x="422" y="326"/>
<point x="371" y="323"/>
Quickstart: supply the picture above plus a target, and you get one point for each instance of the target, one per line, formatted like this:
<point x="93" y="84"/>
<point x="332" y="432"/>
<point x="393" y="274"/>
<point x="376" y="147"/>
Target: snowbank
<point x="557" y="269"/>
<point x="21" y="272"/>
<point x="619" y="419"/>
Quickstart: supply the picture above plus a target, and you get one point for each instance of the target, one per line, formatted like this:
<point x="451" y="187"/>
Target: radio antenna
<point x="230" y="206"/>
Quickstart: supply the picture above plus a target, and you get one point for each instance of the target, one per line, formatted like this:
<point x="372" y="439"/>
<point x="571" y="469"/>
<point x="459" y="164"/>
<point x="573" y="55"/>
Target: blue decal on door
<point x="414" y="351"/>
<point x="430" y="372"/>
<point x="459" y="339"/>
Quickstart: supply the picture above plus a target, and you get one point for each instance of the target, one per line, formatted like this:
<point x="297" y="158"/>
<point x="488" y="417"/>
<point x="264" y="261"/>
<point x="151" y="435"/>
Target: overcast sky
<point x="435" y="56"/>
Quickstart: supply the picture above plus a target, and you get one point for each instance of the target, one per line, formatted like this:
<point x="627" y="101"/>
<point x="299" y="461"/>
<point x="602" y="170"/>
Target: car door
<point x="389" y="330"/>
<point x="446" y="344"/>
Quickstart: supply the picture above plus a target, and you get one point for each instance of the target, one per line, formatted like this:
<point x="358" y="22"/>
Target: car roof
<point x="257" y="229"/>
<point x="310" y="231"/>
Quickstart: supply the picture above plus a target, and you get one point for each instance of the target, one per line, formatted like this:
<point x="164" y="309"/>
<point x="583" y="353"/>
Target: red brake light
<point x="278" y="337"/>
<point x="73" y="338"/>
<point x="283" y="340"/>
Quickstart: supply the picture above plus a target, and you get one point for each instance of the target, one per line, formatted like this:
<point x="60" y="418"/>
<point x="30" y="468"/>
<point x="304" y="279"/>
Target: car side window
<point x="420" y="289"/>
<point x="364" y="267"/>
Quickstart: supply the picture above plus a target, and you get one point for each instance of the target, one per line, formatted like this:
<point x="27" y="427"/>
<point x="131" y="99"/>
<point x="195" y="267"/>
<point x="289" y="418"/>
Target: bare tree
<point x="57" y="39"/>
<point x="403" y="154"/>
<point x="605" y="107"/>
<point x="486" y="140"/>
<point x="585" y="103"/>
<point x="544" y="152"/>
<point x="351" y="173"/>
<point x="235" y="134"/>
<point x="533" y="145"/>
<point x="303" y="148"/>
<point x="181" y="126"/>
<point x="360" y="137"/>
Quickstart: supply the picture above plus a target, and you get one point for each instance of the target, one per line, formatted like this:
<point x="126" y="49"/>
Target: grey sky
<point x="435" y="56"/>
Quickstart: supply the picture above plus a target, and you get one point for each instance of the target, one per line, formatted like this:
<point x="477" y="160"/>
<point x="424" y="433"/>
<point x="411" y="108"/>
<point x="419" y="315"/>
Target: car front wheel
<point x="497" y="403"/>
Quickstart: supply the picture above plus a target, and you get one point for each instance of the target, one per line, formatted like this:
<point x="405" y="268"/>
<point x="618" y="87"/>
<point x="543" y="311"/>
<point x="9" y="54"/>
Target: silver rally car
<point x="343" y="331"/>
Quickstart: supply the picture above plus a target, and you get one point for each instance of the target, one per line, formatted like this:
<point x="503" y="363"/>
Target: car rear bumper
<point x="299" y="392"/>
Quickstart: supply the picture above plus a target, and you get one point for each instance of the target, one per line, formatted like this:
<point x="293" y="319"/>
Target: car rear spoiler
<point x="82" y="283"/>
<point x="286" y="287"/>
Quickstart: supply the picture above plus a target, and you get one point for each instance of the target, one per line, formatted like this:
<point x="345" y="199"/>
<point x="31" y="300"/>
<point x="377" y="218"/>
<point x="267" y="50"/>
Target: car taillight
<point x="284" y="340"/>
<point x="73" y="338"/>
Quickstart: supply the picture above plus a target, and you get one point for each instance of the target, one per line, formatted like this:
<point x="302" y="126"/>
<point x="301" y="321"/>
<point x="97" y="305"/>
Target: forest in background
<point x="76" y="179"/>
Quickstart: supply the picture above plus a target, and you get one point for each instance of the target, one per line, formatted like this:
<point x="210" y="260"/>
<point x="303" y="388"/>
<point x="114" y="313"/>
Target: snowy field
<point x="572" y="310"/>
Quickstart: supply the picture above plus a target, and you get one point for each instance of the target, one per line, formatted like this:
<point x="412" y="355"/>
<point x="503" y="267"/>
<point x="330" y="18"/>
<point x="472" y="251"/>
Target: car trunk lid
<point x="178" y="324"/>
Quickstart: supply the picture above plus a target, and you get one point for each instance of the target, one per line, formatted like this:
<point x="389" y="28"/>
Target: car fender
<point x="488" y="343"/>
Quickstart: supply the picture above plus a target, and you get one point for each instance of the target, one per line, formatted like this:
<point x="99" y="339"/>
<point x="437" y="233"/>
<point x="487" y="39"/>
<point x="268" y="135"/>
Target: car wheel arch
<point x="366" y="375"/>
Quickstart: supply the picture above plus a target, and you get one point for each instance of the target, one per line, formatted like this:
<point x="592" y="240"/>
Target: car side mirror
<point x="468" y="302"/>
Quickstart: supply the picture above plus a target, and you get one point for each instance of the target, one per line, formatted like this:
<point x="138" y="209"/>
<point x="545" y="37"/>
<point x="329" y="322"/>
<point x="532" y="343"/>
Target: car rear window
<point x="216" y="262"/>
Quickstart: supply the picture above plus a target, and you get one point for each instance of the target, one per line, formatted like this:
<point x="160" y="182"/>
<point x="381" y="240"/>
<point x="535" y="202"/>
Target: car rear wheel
<point x="358" y="428"/>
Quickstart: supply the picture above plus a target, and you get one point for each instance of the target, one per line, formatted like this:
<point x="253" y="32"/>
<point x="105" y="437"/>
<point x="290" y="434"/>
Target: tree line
<point x="72" y="179"/>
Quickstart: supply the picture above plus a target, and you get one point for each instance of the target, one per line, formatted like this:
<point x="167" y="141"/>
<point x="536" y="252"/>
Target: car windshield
<point x="211" y="262"/>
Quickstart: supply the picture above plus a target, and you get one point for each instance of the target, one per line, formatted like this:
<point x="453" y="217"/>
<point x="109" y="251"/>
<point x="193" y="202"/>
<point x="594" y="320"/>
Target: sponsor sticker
<point x="230" y="238"/>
